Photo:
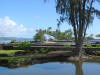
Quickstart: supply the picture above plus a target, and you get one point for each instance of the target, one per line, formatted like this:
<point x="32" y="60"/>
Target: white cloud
<point x="10" y="28"/>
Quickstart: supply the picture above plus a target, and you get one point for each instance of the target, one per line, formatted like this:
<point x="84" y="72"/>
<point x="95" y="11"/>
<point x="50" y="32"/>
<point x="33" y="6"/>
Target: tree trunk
<point x="79" y="51"/>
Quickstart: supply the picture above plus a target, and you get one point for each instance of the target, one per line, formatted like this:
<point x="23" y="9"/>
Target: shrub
<point x="89" y="46"/>
<point x="15" y="44"/>
<point x="67" y="45"/>
<point x="36" y="51"/>
<point x="22" y="44"/>
<point x="42" y="50"/>
<point x="47" y="50"/>
<point x="98" y="45"/>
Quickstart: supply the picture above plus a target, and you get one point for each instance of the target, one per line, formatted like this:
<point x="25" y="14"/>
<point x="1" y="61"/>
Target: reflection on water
<point x="55" y="68"/>
<point x="78" y="66"/>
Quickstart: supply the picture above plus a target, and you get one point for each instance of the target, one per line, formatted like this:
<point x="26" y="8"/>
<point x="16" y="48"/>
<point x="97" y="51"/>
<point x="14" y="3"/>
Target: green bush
<point x="36" y="51"/>
<point x="67" y="45"/>
<point x="48" y="50"/>
<point x="98" y="45"/>
<point x="42" y="50"/>
<point x="15" y="44"/>
<point x="89" y="46"/>
<point x="22" y="44"/>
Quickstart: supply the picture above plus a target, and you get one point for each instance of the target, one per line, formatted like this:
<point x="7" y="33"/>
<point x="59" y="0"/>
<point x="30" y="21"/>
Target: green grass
<point x="89" y="45"/>
<point x="19" y="58"/>
<point x="67" y="45"/>
<point x="9" y="51"/>
<point x="15" y="59"/>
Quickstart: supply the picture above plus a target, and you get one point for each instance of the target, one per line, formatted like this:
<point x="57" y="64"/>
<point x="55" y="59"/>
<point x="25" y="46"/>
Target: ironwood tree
<point x="79" y="14"/>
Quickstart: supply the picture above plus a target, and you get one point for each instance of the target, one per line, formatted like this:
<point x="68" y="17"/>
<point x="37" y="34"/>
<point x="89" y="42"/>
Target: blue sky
<point x="21" y="18"/>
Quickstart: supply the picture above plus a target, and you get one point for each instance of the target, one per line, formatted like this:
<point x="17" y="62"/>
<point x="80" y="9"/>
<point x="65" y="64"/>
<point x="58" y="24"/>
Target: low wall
<point x="1" y="46"/>
<point x="51" y="47"/>
<point x="57" y="48"/>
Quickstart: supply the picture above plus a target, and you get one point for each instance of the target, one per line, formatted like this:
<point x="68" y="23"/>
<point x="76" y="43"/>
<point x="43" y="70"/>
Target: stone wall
<point x="1" y="46"/>
<point x="38" y="47"/>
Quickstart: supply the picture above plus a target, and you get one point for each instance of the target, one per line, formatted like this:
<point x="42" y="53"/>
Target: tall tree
<point x="39" y="36"/>
<point x="79" y="14"/>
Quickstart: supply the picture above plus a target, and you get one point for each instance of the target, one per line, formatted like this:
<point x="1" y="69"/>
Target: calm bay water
<point x="8" y="41"/>
<point x="55" y="68"/>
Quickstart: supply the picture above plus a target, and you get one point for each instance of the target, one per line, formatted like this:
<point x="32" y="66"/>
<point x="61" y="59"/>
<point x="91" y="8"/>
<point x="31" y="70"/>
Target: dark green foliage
<point x="42" y="50"/>
<point x="36" y="51"/>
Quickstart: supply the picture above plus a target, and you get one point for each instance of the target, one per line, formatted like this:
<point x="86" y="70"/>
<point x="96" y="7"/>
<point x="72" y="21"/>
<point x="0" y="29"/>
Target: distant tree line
<point x="58" y="35"/>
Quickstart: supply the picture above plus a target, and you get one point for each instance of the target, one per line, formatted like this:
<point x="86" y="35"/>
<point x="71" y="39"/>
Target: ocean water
<point x="8" y="41"/>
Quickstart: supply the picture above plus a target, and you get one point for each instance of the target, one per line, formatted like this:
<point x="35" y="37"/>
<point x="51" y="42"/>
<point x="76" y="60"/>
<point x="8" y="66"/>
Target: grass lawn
<point x="9" y="51"/>
<point x="19" y="58"/>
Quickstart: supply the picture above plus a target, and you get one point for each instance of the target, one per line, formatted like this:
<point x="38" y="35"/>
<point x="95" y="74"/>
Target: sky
<point x="21" y="18"/>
